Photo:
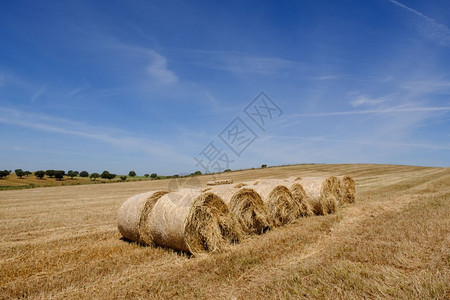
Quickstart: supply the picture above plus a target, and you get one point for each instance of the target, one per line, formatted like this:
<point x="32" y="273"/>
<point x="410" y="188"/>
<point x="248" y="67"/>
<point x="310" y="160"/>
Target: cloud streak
<point x="428" y="86"/>
<point x="38" y="93"/>
<point x="158" y="71"/>
<point x="363" y="100"/>
<point x="114" y="137"/>
<point x="376" y="111"/>
<point x="239" y="62"/>
<point x="369" y="142"/>
<point x="428" y="26"/>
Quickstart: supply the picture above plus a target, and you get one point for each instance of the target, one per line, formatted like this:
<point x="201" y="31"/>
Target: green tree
<point x="50" y="173"/>
<point x="84" y="174"/>
<point x="72" y="174"/>
<point x="94" y="176"/>
<point x="111" y="176"/>
<point x="39" y="174"/>
<point x="4" y="173"/>
<point x="132" y="173"/>
<point x="123" y="178"/>
<point x="146" y="175"/>
<point x="263" y="166"/>
<point x="59" y="174"/>
<point x="197" y="173"/>
<point x="19" y="173"/>
<point x="105" y="174"/>
<point x="154" y="175"/>
<point x="27" y="173"/>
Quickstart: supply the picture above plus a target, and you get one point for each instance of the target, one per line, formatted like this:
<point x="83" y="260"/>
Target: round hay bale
<point x="220" y="182"/>
<point x="132" y="219"/>
<point x="303" y="208"/>
<point x="299" y="195"/>
<point x="282" y="207"/>
<point x="247" y="206"/>
<point x="335" y="186"/>
<point x="348" y="190"/>
<point x="321" y="194"/>
<point x="192" y="221"/>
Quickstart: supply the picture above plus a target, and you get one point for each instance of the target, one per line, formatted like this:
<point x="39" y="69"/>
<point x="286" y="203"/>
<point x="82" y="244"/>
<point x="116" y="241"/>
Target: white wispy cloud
<point x="139" y="60"/>
<point x="117" y="138"/>
<point x="428" y="86"/>
<point x="38" y="93"/>
<point x="368" y="142"/>
<point x="73" y="92"/>
<point x="428" y="26"/>
<point x="254" y="64"/>
<point x="389" y="110"/>
<point x="239" y="62"/>
<point x="364" y="100"/>
<point x="326" y="77"/>
<point x="377" y="140"/>
<point x="210" y="97"/>
<point x="158" y="71"/>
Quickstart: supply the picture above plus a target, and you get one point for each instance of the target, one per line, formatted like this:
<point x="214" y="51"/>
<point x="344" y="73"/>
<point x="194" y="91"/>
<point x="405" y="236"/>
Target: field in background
<point x="394" y="242"/>
<point x="12" y="182"/>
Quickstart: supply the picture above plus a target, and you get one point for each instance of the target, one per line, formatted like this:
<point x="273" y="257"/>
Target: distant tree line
<point x="60" y="174"/>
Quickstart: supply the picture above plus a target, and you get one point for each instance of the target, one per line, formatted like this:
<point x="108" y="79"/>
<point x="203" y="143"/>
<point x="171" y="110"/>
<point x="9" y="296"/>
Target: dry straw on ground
<point x="282" y="207"/>
<point x="58" y="249"/>
<point x="321" y="194"/>
<point x="248" y="207"/>
<point x="348" y="189"/>
<point x="132" y="219"/>
<point x="192" y="221"/>
<point x="219" y="182"/>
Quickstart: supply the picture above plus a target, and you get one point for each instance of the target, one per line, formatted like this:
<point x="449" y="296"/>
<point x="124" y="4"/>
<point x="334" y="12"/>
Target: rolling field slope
<point x="394" y="242"/>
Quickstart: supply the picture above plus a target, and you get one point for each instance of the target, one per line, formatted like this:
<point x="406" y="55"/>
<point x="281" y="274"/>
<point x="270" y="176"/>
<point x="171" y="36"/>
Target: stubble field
<point x="394" y="242"/>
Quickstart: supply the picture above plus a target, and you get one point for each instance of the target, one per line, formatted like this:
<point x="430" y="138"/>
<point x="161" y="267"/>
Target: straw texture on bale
<point x="348" y="190"/>
<point x="219" y="182"/>
<point x="132" y="219"/>
<point x="299" y="195"/>
<point x="320" y="194"/>
<point x="283" y="209"/>
<point x="247" y="206"/>
<point x="192" y="221"/>
<point x="335" y="185"/>
<point x="239" y="185"/>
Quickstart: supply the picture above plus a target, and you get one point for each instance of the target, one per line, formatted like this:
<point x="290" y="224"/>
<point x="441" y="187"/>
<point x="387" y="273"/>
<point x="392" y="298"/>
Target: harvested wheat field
<point x="393" y="242"/>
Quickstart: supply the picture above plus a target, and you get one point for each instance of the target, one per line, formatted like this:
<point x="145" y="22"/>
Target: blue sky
<point x="147" y="85"/>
